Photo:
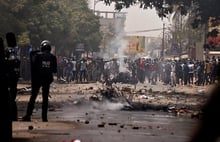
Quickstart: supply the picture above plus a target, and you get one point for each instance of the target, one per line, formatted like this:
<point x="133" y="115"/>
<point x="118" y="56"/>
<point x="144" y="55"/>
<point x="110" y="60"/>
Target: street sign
<point x="80" y="47"/>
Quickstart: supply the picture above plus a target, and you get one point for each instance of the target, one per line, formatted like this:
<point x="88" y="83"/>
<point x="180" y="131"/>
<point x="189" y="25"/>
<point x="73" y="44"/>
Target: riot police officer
<point x="5" y="103"/>
<point x="8" y="83"/>
<point x="13" y="74"/>
<point x="43" y="65"/>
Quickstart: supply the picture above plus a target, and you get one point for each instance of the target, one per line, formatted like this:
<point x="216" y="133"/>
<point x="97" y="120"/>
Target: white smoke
<point x="107" y="105"/>
<point x="118" y="45"/>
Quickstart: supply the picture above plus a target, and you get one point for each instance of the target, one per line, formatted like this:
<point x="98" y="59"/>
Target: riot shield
<point x="5" y="99"/>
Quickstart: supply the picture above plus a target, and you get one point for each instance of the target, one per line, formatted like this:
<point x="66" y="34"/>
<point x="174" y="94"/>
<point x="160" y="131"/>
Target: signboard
<point x="80" y="47"/>
<point x="136" y="44"/>
<point x="213" y="37"/>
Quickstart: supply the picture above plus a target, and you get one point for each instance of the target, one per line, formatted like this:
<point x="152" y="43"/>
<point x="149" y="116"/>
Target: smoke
<point x="121" y="50"/>
<point x="115" y="106"/>
<point x="108" y="105"/>
<point x="117" y="46"/>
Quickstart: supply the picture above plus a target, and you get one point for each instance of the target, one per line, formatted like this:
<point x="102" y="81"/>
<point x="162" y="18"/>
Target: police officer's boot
<point x="14" y="111"/>
<point x="44" y="112"/>
<point x="27" y="117"/>
<point x="44" y="116"/>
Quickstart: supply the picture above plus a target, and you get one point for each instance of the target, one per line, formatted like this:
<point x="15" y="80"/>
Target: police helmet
<point x="9" y="52"/>
<point x="45" y="45"/>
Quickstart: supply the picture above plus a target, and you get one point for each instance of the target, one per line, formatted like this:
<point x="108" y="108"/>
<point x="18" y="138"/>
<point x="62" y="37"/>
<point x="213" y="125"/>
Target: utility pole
<point x="162" y="50"/>
<point x="163" y="41"/>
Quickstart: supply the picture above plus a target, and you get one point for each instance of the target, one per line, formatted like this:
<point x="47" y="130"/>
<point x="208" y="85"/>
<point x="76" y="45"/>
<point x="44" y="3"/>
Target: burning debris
<point x="124" y="77"/>
<point x="122" y="96"/>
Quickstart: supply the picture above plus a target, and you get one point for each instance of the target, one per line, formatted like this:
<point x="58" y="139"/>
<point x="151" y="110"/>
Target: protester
<point x="43" y="65"/>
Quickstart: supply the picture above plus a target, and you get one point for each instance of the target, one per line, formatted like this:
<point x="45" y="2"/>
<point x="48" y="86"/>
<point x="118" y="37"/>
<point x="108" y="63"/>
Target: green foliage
<point x="24" y="39"/>
<point x="203" y="9"/>
<point x="65" y="23"/>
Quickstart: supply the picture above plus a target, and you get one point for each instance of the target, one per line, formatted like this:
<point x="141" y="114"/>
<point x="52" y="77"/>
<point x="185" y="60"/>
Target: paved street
<point x="72" y="116"/>
<point x="96" y="125"/>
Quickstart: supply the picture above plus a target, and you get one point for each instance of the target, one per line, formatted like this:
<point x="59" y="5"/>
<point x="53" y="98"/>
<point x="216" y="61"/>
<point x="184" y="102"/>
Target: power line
<point x="143" y="31"/>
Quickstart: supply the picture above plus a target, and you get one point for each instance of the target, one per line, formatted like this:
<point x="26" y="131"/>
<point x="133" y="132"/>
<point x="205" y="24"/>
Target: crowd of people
<point x="172" y="72"/>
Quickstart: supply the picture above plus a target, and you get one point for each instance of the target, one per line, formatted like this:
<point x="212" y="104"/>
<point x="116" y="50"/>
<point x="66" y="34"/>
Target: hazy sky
<point x="137" y="19"/>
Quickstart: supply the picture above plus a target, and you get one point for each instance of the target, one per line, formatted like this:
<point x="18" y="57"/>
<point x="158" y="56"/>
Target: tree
<point x="65" y="23"/>
<point x="183" y="34"/>
<point x="203" y="9"/>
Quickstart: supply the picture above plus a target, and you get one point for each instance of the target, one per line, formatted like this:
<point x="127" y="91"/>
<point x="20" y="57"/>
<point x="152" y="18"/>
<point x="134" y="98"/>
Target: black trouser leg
<point x="5" y="115"/>
<point x="45" y="94"/>
<point x="13" y="93"/>
<point x="31" y="103"/>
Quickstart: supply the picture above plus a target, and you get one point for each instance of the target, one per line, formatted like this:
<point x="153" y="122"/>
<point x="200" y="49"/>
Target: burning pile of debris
<point x="147" y="100"/>
<point x="113" y="95"/>
<point x="124" y="78"/>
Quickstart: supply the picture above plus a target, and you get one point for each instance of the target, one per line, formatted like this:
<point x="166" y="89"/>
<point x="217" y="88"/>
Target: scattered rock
<point x="87" y="122"/>
<point x="112" y="124"/>
<point x="121" y="126"/>
<point x="30" y="127"/>
<point x="135" y="127"/>
<point x="102" y="125"/>
<point x="172" y="133"/>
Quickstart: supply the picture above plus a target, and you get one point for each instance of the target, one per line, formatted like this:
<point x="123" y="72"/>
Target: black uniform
<point x="13" y="74"/>
<point x="43" y="65"/>
<point x="6" y="80"/>
<point x="5" y="103"/>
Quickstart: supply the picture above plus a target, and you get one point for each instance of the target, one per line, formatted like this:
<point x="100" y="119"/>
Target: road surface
<point x="104" y="123"/>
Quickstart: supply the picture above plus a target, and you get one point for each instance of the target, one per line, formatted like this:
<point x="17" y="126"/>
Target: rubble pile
<point x="132" y="97"/>
<point x="147" y="99"/>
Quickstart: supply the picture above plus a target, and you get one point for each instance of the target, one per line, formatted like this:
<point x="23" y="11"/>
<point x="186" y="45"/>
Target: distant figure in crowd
<point x="74" y="70"/>
<point x="43" y="65"/>
<point x="208" y="129"/>
<point x="83" y="70"/>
